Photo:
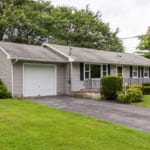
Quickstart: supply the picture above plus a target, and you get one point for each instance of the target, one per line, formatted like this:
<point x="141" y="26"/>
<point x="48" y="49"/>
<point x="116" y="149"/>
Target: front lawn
<point x="29" y="126"/>
<point x="145" y="102"/>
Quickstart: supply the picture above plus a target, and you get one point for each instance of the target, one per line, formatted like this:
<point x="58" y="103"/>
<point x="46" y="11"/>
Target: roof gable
<point x="30" y="52"/>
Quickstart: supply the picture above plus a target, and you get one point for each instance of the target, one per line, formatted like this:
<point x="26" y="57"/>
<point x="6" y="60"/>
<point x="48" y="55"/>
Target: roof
<point x="60" y="53"/>
<point x="30" y="52"/>
<point x="100" y="56"/>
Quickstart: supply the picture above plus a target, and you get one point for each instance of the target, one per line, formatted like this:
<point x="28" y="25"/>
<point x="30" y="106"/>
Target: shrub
<point x="110" y="85"/>
<point x="131" y="95"/>
<point x="146" y="89"/>
<point x="135" y="86"/>
<point x="1" y="82"/>
<point x="3" y="91"/>
<point x="146" y="84"/>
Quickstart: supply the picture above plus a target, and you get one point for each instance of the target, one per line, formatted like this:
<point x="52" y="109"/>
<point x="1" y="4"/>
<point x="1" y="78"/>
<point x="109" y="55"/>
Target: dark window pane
<point x="104" y="73"/>
<point x="87" y="75"/>
<point x="104" y="67"/>
<point x="119" y="71"/>
<point x="87" y="67"/>
<point x="95" y="71"/>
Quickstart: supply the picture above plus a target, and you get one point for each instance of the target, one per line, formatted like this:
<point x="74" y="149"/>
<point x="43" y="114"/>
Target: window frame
<point x="122" y="70"/>
<point x="102" y="71"/>
<point x="146" y="72"/>
<point x="89" y="71"/>
<point x="133" y="71"/>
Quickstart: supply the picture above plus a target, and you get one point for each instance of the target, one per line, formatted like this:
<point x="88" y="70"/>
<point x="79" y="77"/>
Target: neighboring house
<point x="29" y="70"/>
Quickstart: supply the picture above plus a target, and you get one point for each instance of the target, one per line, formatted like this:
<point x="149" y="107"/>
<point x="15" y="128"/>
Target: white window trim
<point x="147" y="72"/>
<point x="133" y="71"/>
<point x="122" y="70"/>
<point x="101" y="70"/>
<point x="89" y="71"/>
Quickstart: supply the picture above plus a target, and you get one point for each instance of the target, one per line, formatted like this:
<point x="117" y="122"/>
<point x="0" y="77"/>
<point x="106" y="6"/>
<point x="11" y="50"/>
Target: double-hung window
<point x="93" y="71"/>
<point x="104" y="70"/>
<point x="135" y="72"/>
<point x="146" y="72"/>
<point x="87" y="71"/>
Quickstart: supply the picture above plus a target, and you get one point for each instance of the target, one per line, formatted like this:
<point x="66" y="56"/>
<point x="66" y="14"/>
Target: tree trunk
<point x="1" y="36"/>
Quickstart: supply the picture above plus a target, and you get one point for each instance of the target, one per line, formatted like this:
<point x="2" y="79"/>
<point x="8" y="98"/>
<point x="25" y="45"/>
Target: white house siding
<point x="77" y="84"/>
<point x="18" y="78"/>
<point x="126" y="71"/>
<point x="61" y="79"/>
<point x="113" y="70"/>
<point x="67" y="84"/>
<point x="5" y="71"/>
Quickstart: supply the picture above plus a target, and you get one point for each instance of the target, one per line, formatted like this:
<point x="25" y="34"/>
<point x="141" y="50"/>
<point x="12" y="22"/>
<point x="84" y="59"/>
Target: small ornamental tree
<point x="110" y="85"/>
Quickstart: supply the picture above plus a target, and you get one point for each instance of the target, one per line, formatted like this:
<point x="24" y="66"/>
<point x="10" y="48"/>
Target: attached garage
<point x="39" y="79"/>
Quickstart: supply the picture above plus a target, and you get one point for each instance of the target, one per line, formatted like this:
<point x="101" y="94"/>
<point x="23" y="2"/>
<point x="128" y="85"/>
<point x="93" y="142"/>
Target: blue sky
<point x="132" y="17"/>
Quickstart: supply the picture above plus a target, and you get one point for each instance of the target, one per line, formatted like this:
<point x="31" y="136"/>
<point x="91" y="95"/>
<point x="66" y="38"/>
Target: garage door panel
<point x="39" y="80"/>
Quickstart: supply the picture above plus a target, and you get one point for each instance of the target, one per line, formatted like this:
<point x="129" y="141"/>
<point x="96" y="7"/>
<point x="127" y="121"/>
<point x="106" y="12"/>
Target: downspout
<point x="70" y="70"/>
<point x="12" y="75"/>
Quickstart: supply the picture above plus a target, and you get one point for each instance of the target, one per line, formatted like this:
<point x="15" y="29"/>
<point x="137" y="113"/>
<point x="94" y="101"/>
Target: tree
<point x="83" y="28"/>
<point x="25" y="21"/>
<point x="145" y="44"/>
<point x="35" y="22"/>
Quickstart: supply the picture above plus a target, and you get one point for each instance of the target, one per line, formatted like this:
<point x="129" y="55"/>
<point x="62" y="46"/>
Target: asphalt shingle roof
<point x="95" y="56"/>
<point x="40" y="53"/>
<point x="30" y="52"/>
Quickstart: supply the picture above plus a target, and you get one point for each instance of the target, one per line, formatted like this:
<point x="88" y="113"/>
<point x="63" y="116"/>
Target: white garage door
<point x="39" y="80"/>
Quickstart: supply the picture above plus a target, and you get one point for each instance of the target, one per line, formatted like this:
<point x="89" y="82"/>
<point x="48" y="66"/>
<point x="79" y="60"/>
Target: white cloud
<point x="130" y="16"/>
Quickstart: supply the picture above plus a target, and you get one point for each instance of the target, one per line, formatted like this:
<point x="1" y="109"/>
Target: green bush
<point x="1" y="82"/>
<point x="146" y="89"/>
<point x="3" y="91"/>
<point x="146" y="84"/>
<point x="110" y="85"/>
<point x="133" y="94"/>
<point x="135" y="86"/>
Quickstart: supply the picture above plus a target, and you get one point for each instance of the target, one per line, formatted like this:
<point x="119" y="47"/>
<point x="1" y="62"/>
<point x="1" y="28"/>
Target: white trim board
<point x="8" y="56"/>
<point x="70" y="59"/>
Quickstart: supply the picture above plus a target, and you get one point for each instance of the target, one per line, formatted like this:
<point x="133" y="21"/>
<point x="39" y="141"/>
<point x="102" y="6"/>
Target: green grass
<point x="145" y="102"/>
<point x="29" y="126"/>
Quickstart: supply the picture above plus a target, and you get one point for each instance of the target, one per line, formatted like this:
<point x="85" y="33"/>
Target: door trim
<point x="55" y="74"/>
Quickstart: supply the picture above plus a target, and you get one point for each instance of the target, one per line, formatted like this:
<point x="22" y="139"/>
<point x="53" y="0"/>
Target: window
<point x="104" y="70"/>
<point x="87" y="71"/>
<point x="135" y="71"/>
<point x="95" y="71"/>
<point x="146" y="72"/>
<point x="119" y="70"/>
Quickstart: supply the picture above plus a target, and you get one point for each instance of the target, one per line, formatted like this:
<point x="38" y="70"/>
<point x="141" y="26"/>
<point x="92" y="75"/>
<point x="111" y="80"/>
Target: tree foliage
<point x="28" y="21"/>
<point x="145" y="44"/>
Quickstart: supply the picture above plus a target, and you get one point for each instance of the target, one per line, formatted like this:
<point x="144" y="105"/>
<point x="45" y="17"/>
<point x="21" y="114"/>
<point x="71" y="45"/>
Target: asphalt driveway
<point x="131" y="116"/>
